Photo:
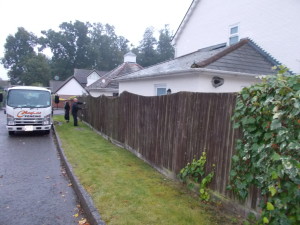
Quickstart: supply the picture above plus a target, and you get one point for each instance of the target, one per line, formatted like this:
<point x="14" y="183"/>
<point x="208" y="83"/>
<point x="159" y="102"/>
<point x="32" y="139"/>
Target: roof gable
<point x="82" y="74"/>
<point x="71" y="86"/>
<point x="55" y="85"/>
<point x="245" y="57"/>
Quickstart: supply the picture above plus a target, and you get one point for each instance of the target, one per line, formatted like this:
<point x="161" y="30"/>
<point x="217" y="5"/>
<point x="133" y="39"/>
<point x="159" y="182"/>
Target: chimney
<point x="130" y="57"/>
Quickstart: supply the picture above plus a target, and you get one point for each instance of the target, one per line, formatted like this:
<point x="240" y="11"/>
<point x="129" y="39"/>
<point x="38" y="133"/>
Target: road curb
<point x="92" y="214"/>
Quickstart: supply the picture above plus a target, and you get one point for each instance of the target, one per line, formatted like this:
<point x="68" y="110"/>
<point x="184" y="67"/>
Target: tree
<point x="108" y="48"/>
<point x="165" y="50"/>
<point x="18" y="49"/>
<point x="146" y="51"/>
<point x="37" y="71"/>
<point x="83" y="45"/>
<point x="69" y="47"/>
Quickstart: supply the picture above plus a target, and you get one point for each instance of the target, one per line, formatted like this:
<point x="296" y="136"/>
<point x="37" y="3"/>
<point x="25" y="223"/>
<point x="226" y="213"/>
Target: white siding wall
<point x="99" y="93"/>
<point x="72" y="88"/>
<point x="272" y="24"/>
<point x="92" y="78"/>
<point x="192" y="83"/>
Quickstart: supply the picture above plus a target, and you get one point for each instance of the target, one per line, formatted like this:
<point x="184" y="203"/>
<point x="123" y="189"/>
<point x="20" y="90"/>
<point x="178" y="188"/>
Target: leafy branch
<point x="195" y="172"/>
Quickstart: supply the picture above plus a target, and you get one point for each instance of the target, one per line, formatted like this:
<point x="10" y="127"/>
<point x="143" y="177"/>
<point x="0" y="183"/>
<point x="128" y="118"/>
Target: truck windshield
<point x="28" y="98"/>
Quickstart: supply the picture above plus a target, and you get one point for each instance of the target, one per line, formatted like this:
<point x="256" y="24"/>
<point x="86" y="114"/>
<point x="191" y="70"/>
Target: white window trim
<point x="156" y="86"/>
<point x="237" y="34"/>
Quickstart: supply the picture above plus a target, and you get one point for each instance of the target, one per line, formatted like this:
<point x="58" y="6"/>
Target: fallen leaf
<point x="69" y="185"/>
<point x="82" y="222"/>
<point x="76" y="215"/>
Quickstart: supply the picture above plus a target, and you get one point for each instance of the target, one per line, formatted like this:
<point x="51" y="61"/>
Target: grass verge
<point x="126" y="190"/>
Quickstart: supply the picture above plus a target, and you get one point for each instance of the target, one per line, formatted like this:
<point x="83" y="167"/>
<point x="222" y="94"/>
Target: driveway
<point x="34" y="189"/>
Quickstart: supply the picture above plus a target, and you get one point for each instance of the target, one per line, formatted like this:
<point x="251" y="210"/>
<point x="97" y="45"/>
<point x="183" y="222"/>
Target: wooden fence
<point x="169" y="131"/>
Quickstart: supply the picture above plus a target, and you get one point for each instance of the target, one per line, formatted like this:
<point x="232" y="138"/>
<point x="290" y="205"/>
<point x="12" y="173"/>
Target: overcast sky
<point x="129" y="17"/>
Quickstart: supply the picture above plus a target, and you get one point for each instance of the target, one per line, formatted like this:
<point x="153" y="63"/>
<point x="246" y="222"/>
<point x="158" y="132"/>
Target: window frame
<point x="160" y="86"/>
<point x="234" y="35"/>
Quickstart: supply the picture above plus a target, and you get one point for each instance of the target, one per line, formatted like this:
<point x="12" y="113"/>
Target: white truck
<point x="28" y="109"/>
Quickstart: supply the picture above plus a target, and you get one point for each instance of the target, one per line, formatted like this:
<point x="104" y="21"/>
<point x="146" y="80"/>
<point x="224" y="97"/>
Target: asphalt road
<point x="34" y="189"/>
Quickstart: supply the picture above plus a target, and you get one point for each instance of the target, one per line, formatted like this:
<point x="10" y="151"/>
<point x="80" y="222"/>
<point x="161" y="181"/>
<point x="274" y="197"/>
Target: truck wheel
<point x="10" y="133"/>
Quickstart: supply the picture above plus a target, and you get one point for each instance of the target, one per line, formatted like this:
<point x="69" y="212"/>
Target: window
<point x="233" y="34"/>
<point x="160" y="89"/>
<point x="234" y="30"/>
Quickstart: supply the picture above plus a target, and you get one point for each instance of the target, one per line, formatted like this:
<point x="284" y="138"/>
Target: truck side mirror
<point x="56" y="99"/>
<point x="1" y="97"/>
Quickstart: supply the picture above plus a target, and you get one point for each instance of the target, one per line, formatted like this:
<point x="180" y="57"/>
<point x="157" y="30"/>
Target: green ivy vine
<point x="195" y="172"/>
<point x="267" y="156"/>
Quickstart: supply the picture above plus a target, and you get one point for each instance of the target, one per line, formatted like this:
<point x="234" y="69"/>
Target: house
<point x="273" y="24"/>
<point x="218" y="68"/>
<point x="75" y="85"/>
<point x="87" y="77"/>
<point x="108" y="85"/>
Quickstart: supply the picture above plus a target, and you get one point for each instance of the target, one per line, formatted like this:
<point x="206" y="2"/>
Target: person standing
<point x="67" y="111"/>
<point x="75" y="108"/>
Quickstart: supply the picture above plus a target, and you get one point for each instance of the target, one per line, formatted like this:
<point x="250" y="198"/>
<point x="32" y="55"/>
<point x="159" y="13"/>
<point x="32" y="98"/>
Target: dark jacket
<point x="67" y="107"/>
<point x="75" y="107"/>
<point x="67" y="111"/>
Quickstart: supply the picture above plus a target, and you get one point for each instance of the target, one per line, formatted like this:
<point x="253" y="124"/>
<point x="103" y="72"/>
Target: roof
<point x="245" y="57"/>
<point x="130" y="54"/>
<point x="55" y="85"/>
<point x="82" y="74"/>
<point x="66" y="81"/>
<point x="107" y="81"/>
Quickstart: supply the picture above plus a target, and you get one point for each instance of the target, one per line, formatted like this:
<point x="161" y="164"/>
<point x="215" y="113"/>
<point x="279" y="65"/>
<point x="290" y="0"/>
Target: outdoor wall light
<point x="169" y="91"/>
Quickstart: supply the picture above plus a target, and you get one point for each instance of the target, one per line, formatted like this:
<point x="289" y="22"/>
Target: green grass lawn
<point x="126" y="190"/>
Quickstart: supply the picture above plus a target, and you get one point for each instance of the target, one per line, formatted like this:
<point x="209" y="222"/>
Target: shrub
<point x="267" y="156"/>
<point x="195" y="172"/>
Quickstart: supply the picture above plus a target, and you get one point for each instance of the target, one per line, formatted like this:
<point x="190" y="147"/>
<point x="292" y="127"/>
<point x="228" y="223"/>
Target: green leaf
<point x="294" y="145"/>
<point x="274" y="175"/>
<point x="251" y="120"/>
<point x="270" y="206"/>
<point x="275" y="156"/>
<point x="248" y="177"/>
<point x="273" y="190"/>
<point x="265" y="220"/>
<point x="235" y="158"/>
<point x="275" y="124"/>
<point x="283" y="145"/>
<point x="236" y="125"/>
<point x="233" y="173"/>
<point x="245" y="96"/>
